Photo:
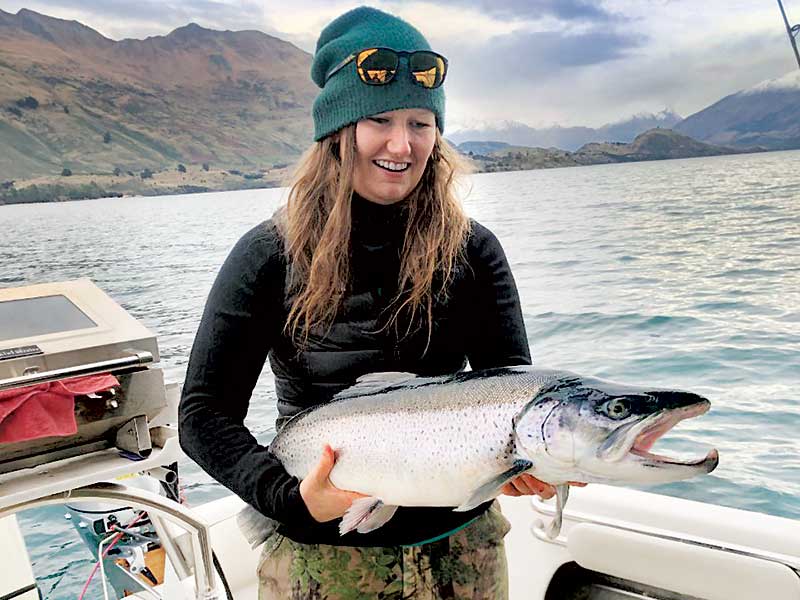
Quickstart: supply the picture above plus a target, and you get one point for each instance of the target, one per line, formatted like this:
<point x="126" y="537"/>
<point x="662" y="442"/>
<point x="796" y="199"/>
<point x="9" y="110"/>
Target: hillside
<point x="766" y="115"/>
<point x="656" y="144"/>
<point x="71" y="98"/>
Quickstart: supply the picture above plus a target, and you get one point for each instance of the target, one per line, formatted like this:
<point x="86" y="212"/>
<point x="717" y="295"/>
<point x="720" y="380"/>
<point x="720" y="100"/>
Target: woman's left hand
<point x="528" y="485"/>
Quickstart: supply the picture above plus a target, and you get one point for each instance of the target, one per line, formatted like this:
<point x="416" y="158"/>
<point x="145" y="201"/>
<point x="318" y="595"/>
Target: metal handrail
<point x="538" y="530"/>
<point x="136" y="360"/>
<point x="143" y="500"/>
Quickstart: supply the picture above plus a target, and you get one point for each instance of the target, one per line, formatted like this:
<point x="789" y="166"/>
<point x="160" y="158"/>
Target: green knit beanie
<point x="344" y="98"/>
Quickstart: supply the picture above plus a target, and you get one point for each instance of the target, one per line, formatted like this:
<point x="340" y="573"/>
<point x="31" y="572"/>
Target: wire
<point x="102" y="555"/>
<point x="221" y="573"/>
<point x="133" y="534"/>
<point x="99" y="562"/>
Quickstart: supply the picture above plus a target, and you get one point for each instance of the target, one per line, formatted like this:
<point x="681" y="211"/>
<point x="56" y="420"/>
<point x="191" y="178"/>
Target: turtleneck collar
<point x="374" y="223"/>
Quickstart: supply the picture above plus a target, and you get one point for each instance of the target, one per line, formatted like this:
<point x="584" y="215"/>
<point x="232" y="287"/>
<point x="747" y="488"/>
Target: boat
<point x="117" y="478"/>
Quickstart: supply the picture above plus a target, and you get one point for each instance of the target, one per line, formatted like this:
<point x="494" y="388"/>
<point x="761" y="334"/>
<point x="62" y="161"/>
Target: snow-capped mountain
<point x="765" y="115"/>
<point x="516" y="133"/>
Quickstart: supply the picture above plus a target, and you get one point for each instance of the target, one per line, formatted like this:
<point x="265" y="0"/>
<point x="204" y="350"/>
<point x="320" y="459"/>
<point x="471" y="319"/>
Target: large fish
<point x="455" y="440"/>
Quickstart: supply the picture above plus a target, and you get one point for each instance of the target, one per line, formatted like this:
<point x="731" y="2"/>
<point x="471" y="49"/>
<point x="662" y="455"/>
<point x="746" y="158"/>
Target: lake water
<point x="681" y="273"/>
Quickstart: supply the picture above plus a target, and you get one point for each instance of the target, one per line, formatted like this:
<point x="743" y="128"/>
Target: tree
<point x="181" y="168"/>
<point x="66" y="109"/>
<point x="206" y="167"/>
<point x="107" y="137"/>
<point x="117" y="172"/>
<point x="66" y="172"/>
<point x="7" y="185"/>
<point x="146" y="174"/>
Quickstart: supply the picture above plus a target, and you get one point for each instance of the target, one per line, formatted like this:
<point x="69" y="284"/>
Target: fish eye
<point x="616" y="408"/>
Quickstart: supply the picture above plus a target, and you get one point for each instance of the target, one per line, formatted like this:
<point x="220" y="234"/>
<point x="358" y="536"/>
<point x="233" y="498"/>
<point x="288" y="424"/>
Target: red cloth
<point x="47" y="409"/>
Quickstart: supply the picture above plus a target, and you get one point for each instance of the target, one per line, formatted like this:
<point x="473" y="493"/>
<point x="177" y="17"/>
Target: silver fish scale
<point x="429" y="442"/>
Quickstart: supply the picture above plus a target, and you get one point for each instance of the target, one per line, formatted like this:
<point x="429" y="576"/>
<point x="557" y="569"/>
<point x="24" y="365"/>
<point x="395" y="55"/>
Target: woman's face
<point x="392" y="149"/>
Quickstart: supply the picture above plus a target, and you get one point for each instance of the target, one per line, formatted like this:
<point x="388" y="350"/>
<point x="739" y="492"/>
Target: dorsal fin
<point x="372" y="383"/>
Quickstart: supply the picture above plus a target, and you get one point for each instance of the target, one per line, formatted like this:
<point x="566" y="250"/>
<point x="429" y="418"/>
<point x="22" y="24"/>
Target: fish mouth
<point x="635" y="440"/>
<point x="643" y="436"/>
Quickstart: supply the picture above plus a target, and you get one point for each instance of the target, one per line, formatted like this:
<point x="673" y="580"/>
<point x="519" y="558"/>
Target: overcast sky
<point x="542" y="62"/>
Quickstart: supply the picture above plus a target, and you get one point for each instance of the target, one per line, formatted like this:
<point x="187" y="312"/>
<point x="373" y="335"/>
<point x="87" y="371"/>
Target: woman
<point x="372" y="266"/>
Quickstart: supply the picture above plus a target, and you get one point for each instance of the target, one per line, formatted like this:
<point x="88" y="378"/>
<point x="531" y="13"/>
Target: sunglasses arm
<point x="340" y="66"/>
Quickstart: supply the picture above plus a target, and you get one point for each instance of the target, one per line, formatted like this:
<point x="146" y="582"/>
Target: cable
<point x="133" y="534"/>
<point x="99" y="562"/>
<point x="102" y="555"/>
<point x="222" y="577"/>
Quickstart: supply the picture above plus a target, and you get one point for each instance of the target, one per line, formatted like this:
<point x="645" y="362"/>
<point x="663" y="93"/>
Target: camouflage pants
<point x="470" y="564"/>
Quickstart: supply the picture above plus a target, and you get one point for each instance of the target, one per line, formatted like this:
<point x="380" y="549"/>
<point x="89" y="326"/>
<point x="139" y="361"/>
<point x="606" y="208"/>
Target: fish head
<point x="598" y="431"/>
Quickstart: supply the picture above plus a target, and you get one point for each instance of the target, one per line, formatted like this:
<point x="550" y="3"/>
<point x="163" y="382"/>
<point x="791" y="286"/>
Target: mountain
<point x="481" y="147"/>
<point x="627" y="130"/>
<point x="566" y="138"/>
<point x="516" y="133"/>
<point x="655" y="144"/>
<point x="72" y="98"/>
<point x="765" y="115"/>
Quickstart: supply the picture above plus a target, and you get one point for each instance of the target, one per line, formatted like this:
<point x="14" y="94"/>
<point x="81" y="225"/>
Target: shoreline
<point x="197" y="180"/>
<point x="191" y="180"/>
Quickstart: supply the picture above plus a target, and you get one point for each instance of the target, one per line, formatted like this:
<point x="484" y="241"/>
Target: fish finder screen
<point x="40" y="316"/>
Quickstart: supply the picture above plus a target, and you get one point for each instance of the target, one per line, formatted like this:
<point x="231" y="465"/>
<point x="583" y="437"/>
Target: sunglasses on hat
<point x="378" y="66"/>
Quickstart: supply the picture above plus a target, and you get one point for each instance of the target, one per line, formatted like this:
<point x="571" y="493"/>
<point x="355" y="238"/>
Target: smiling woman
<point x="371" y="266"/>
<point x="392" y="151"/>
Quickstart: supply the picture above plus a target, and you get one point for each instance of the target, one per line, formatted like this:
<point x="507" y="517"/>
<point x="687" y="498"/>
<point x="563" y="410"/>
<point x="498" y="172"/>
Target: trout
<point x="455" y="440"/>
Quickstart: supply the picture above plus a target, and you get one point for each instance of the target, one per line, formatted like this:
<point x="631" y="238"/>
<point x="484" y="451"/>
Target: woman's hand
<point x="324" y="500"/>
<point x="528" y="485"/>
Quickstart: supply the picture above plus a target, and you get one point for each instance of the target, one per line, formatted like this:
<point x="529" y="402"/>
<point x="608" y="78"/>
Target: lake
<point x="682" y="273"/>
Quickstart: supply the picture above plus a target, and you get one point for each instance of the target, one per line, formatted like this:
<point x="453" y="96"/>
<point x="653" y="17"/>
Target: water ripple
<point x="678" y="274"/>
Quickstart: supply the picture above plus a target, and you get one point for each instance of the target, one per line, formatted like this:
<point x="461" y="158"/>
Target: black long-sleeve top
<point x="242" y="325"/>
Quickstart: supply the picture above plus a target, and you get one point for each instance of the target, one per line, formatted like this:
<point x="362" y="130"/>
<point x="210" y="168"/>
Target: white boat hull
<point x="641" y="541"/>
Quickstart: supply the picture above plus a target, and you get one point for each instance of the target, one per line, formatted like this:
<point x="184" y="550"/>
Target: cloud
<point x="574" y="62"/>
<point x="690" y="80"/>
<point x="141" y="18"/>
<point x="685" y="78"/>
<point x="565" y="10"/>
<point x="524" y="58"/>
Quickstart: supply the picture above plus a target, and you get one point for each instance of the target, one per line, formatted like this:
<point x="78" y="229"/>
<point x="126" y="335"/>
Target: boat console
<point x="55" y="333"/>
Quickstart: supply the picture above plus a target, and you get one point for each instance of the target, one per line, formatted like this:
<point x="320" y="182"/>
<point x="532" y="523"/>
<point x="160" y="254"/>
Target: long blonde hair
<point x="316" y="225"/>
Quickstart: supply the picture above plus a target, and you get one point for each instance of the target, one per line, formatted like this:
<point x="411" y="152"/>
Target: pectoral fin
<point x="365" y="515"/>
<point x="491" y="488"/>
<point x="562" y="494"/>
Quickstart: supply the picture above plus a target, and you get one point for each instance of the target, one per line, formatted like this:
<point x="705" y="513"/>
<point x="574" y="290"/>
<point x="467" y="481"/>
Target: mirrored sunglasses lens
<point x="376" y="66"/>
<point x="427" y="68"/>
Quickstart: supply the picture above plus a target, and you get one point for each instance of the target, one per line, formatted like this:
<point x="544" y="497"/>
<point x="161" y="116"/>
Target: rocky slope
<point x="766" y="115"/>
<point x="656" y="144"/>
<point x="71" y="98"/>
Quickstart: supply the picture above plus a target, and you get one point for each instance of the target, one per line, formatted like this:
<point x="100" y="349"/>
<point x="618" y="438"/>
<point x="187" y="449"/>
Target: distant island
<point x="84" y="116"/>
<point x="655" y="144"/>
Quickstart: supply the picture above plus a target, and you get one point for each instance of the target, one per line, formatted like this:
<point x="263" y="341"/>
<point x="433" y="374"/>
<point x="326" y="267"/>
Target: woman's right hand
<point x="324" y="500"/>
